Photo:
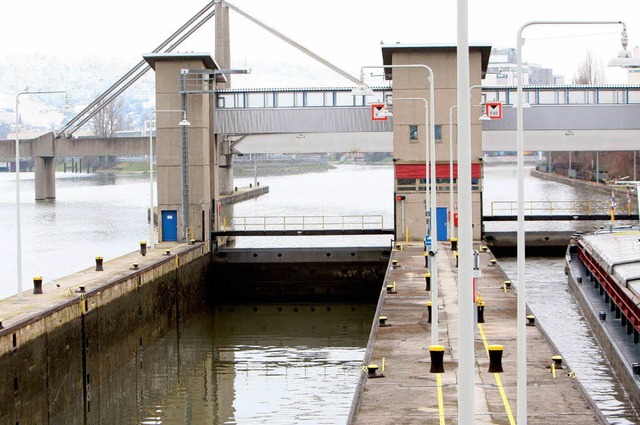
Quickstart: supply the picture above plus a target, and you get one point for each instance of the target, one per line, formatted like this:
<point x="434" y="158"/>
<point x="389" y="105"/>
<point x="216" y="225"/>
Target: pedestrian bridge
<point x="330" y="119"/>
<point x="561" y="118"/>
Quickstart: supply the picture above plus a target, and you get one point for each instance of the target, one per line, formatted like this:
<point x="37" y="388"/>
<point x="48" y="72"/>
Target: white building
<point x="502" y="70"/>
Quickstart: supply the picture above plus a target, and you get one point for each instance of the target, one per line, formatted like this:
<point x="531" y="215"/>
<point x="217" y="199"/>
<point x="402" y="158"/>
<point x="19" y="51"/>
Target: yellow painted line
<point x="484" y="339"/>
<point x="440" y="398"/>
<point x="496" y="376"/>
<point x="507" y="407"/>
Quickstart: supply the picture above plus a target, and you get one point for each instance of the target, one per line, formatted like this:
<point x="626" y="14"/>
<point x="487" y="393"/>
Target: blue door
<point x="441" y="222"/>
<point x="169" y="225"/>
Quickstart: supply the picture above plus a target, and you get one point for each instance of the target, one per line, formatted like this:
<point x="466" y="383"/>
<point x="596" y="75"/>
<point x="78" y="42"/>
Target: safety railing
<point x="267" y="223"/>
<point x="499" y="208"/>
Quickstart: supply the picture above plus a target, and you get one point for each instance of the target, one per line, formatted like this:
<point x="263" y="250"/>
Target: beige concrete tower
<point x="198" y="189"/>
<point x="410" y="132"/>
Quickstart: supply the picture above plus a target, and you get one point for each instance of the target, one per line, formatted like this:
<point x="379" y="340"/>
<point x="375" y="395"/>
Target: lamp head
<point x="184" y="122"/>
<point x="362" y="90"/>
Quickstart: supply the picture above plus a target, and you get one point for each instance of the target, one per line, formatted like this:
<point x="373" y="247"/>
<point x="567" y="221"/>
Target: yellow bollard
<point x="382" y="320"/>
<point x="427" y="279"/>
<point x="531" y="320"/>
<point x="454" y="244"/>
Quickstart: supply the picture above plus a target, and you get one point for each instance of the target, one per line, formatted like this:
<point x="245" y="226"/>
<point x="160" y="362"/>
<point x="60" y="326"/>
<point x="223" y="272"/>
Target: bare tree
<point x="109" y="119"/>
<point x="591" y="71"/>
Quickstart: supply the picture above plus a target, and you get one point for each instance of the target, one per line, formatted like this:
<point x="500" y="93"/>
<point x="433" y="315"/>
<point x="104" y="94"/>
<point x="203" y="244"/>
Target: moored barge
<point x="603" y="270"/>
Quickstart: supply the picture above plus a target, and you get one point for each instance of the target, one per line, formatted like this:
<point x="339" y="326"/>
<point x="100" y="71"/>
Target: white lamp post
<point x="522" y="305"/>
<point x="18" y="223"/>
<point x="466" y="349"/>
<point x="182" y="123"/>
<point x="430" y="157"/>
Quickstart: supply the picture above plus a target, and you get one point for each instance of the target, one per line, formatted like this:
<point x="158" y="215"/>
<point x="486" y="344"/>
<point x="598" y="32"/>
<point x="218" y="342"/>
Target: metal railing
<point x="307" y="222"/>
<point x="498" y="208"/>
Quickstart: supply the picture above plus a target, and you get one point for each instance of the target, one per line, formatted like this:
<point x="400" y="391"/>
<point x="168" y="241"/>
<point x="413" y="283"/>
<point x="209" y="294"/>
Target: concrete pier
<point x="410" y="394"/>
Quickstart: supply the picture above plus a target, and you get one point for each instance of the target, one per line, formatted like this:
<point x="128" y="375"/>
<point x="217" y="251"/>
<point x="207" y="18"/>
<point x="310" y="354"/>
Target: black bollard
<point x="454" y="244"/>
<point x="531" y="320"/>
<point x="427" y="281"/>
<point x="99" y="264"/>
<point x="437" y="357"/>
<point x="382" y="320"/>
<point x="480" y="311"/>
<point x="429" y="305"/>
<point x="37" y="284"/>
<point x="557" y="361"/>
<point x="426" y="259"/>
<point x="456" y="254"/>
<point x="495" y="358"/>
<point x="143" y="248"/>
<point x="636" y="368"/>
<point x="372" y="371"/>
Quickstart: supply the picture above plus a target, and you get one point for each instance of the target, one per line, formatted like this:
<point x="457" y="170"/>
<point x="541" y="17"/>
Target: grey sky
<point x="347" y="33"/>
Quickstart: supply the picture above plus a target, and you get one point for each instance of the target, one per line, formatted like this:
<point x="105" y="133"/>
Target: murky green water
<point x="242" y="364"/>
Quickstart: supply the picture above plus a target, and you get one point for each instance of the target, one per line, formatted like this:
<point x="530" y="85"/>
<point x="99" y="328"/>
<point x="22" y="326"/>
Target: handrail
<point x="590" y="207"/>
<point x="306" y="222"/>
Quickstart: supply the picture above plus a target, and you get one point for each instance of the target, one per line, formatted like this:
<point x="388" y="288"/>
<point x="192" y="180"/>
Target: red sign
<point x="378" y="112"/>
<point x="493" y="110"/>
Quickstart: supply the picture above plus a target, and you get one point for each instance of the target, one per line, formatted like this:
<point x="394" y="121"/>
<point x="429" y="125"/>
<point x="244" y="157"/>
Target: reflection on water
<point x="242" y="364"/>
<point x="551" y="301"/>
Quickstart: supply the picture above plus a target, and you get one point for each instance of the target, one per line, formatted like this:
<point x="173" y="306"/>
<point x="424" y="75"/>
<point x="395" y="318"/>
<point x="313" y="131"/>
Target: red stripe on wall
<point x="417" y="171"/>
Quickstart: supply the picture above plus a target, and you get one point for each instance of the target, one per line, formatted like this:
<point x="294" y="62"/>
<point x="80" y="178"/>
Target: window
<point x="413" y="132"/>
<point x="438" y="131"/>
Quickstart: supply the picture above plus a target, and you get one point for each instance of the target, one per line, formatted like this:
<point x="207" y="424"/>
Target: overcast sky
<point x="347" y="32"/>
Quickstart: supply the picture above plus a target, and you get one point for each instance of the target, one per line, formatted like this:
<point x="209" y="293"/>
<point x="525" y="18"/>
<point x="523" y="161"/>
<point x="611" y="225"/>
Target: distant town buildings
<point x="502" y="70"/>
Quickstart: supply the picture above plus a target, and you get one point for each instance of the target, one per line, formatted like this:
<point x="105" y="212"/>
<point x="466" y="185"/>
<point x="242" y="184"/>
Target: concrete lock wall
<point x="286" y="274"/>
<point x="54" y="360"/>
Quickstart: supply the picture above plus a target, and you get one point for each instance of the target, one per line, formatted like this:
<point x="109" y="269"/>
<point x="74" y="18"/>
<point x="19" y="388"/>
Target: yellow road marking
<point x="496" y="376"/>
<point x="440" y="398"/>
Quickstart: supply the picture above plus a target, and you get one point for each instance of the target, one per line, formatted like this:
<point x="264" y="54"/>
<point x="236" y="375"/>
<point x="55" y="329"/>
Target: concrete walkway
<point x="408" y="393"/>
<point x="62" y="291"/>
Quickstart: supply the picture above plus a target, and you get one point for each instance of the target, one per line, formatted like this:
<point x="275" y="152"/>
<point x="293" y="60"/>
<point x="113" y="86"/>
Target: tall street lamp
<point x="430" y="193"/>
<point x="520" y="258"/>
<point x="18" y="223"/>
<point x="183" y="123"/>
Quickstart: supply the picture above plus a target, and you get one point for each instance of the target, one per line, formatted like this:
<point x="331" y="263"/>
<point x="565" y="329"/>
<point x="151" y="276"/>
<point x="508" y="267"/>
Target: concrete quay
<point x="409" y="394"/>
<point x="55" y="347"/>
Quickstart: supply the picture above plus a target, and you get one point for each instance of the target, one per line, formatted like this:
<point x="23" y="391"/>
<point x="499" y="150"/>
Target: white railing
<point x="308" y="222"/>
<point x="499" y="208"/>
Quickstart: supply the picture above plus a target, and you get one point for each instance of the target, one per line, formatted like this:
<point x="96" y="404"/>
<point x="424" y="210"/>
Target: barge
<point x="603" y="270"/>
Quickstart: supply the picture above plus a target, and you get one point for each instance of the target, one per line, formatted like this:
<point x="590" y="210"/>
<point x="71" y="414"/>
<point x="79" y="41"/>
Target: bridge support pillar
<point x="45" y="174"/>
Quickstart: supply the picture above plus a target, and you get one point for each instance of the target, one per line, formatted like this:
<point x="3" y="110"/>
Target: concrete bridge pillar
<point x="43" y="150"/>
<point x="45" y="173"/>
